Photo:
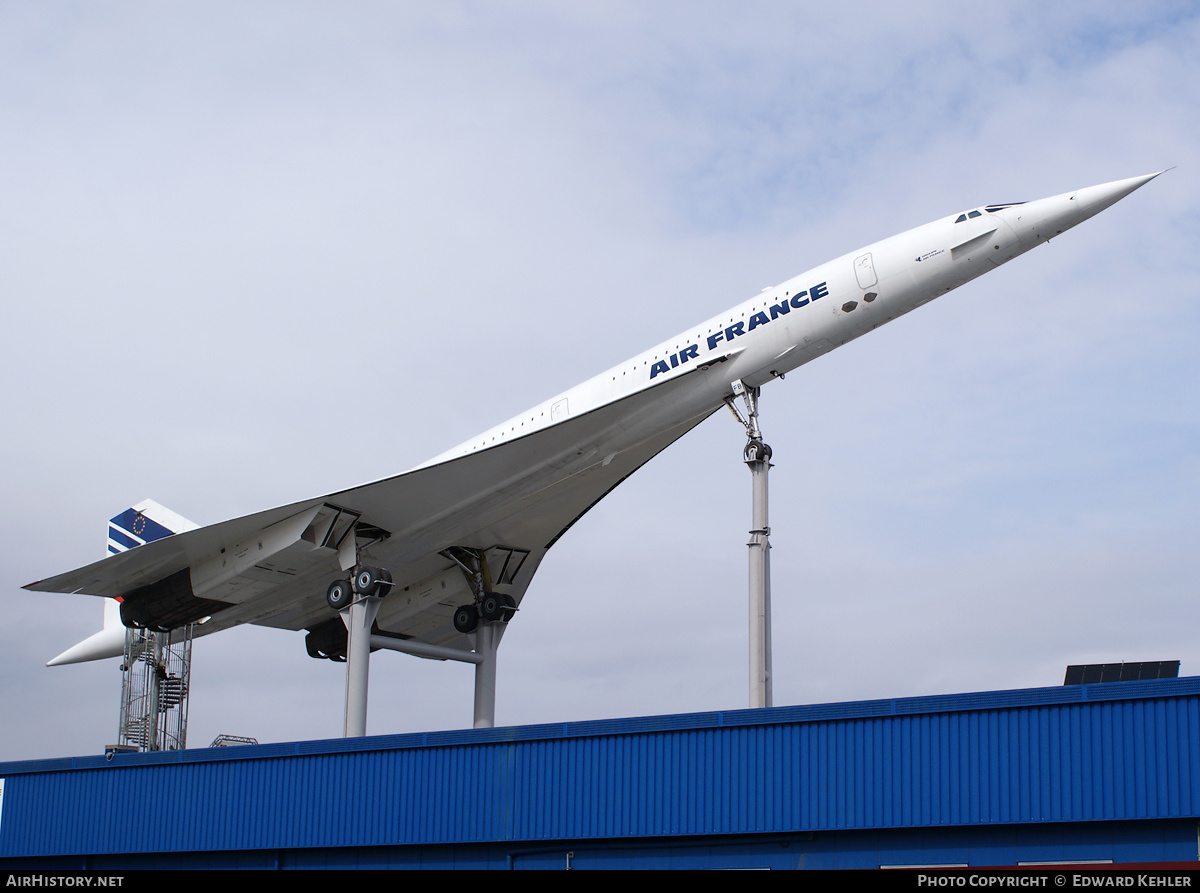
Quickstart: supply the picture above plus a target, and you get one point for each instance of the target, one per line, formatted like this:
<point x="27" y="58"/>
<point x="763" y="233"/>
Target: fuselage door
<point x="864" y="270"/>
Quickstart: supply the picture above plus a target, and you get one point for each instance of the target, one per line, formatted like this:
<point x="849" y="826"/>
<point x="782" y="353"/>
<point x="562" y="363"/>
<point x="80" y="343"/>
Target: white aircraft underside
<point x="516" y="488"/>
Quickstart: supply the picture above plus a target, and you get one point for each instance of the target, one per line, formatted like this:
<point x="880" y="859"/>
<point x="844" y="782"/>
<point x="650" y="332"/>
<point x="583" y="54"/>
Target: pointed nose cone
<point x="1094" y="199"/>
<point x="1039" y="221"/>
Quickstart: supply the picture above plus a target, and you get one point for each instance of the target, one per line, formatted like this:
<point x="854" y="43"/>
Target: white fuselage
<point x="800" y="319"/>
<point x="528" y="494"/>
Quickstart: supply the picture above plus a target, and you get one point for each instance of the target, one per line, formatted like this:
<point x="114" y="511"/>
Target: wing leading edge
<point x="511" y="501"/>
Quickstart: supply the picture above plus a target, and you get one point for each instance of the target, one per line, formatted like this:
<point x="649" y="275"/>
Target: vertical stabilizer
<point x="144" y="523"/>
<point x="140" y="524"/>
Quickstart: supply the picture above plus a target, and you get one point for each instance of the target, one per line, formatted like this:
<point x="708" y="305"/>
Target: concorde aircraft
<point x="446" y="551"/>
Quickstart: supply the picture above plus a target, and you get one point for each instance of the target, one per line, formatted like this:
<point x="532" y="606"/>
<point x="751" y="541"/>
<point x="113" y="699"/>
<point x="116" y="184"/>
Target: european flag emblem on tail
<point x="143" y="523"/>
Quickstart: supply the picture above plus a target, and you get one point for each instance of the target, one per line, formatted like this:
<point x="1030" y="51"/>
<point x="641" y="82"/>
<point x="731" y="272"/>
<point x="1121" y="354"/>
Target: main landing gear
<point x="357" y="600"/>
<point x="367" y="582"/>
<point x="490" y="606"/>
<point x="484" y="622"/>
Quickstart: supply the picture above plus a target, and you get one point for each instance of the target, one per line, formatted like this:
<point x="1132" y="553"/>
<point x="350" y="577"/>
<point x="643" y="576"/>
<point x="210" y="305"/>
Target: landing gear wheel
<point x="491" y="606"/>
<point x="466" y="619"/>
<point x="510" y="608"/>
<point x="757" y="451"/>
<point x="385" y="582"/>
<point x="339" y="595"/>
<point x="366" y="580"/>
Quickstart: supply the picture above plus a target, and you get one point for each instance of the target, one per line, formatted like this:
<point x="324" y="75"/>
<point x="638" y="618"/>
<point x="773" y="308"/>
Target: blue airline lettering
<point x="692" y="351"/>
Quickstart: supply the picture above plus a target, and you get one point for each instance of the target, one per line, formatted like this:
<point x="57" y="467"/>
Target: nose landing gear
<point x="757" y="456"/>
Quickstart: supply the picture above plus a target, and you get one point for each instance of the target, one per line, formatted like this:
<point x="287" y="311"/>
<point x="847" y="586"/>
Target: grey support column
<point x="358" y="618"/>
<point x="487" y="641"/>
<point x="758" y="458"/>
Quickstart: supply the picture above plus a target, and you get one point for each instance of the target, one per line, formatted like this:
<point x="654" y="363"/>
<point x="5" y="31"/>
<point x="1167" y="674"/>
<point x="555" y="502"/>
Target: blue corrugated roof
<point x="1071" y="753"/>
<point x="801" y="713"/>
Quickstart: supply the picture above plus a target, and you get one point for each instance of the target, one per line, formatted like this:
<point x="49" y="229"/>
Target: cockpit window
<point x="991" y="209"/>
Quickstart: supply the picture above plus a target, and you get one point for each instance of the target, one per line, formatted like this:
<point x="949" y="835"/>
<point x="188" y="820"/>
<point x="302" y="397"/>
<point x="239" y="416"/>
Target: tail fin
<point x="143" y="523"/>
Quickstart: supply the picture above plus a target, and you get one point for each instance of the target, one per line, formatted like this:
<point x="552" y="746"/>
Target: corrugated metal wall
<point x="1080" y="753"/>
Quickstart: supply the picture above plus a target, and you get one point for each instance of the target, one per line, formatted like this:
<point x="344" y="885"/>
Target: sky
<point x="231" y="231"/>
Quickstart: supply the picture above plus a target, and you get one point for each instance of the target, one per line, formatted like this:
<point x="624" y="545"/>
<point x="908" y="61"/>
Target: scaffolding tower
<point x="154" y="689"/>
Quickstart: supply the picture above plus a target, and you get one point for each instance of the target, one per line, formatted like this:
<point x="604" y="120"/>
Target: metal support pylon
<point x="486" y="635"/>
<point x="486" y="640"/>
<point x="757" y="456"/>
<point x="358" y="618"/>
<point x="357" y="602"/>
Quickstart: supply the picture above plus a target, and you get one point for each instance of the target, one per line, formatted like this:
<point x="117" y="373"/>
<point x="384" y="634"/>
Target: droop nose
<point x="1045" y="218"/>
<point x="1094" y="199"/>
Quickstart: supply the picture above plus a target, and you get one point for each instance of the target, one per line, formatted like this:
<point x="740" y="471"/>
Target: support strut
<point x="358" y="618"/>
<point x="487" y="641"/>
<point x="757" y="456"/>
<point x="357" y="602"/>
<point x="490" y="619"/>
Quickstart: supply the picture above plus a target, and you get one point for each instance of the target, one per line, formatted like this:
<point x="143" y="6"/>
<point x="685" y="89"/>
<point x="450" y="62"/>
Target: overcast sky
<point x="229" y="230"/>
